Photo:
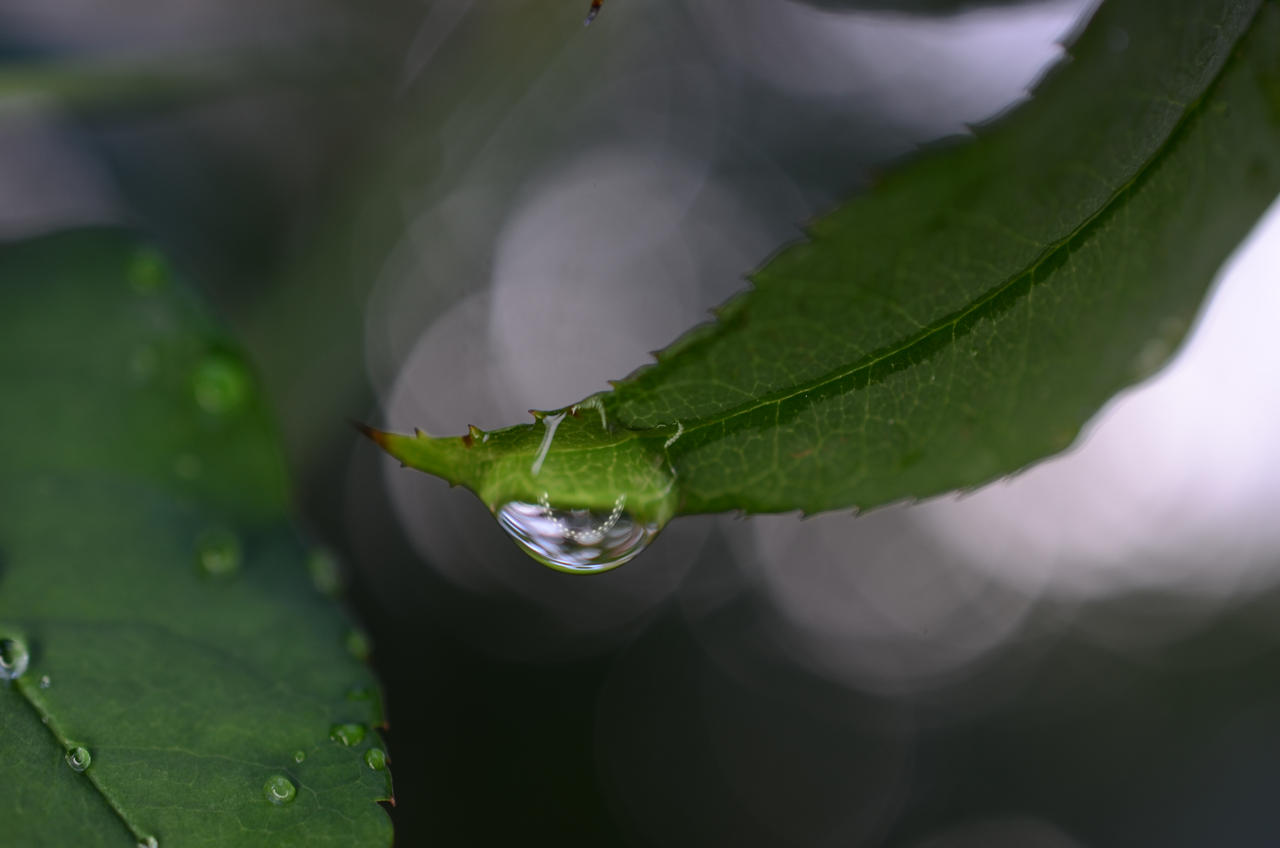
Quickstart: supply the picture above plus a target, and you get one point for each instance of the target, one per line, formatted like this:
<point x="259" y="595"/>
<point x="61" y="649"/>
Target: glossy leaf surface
<point x="175" y="632"/>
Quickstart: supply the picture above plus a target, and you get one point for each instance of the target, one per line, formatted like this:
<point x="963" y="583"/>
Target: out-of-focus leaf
<point x="172" y="626"/>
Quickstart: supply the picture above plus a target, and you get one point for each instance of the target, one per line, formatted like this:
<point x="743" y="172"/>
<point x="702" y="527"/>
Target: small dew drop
<point x="279" y="790"/>
<point x="358" y="644"/>
<point x="45" y="682"/>
<point x="148" y="272"/>
<point x="188" y="466"/>
<point x="79" y="758"/>
<point x="143" y="362"/>
<point x="325" y="575"/>
<point x="218" y="552"/>
<point x="149" y="842"/>
<point x="376" y="759"/>
<point x="347" y="734"/>
<point x="1117" y="39"/>
<point x="299" y="756"/>
<point x="220" y="384"/>
<point x="576" y="540"/>
<point x="14" y="658"/>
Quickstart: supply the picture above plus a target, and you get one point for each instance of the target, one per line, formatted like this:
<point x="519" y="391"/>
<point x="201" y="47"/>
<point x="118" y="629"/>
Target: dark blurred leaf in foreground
<point x="187" y="678"/>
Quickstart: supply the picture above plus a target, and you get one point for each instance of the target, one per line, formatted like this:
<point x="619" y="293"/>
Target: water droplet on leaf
<point x="188" y="466"/>
<point x="143" y="362"/>
<point x="45" y="682"/>
<point x="220" y="384"/>
<point x="148" y="272"/>
<point x="376" y="759"/>
<point x="325" y="575"/>
<point x="149" y="842"/>
<point x="347" y="734"/>
<point x="576" y="540"/>
<point x="279" y="789"/>
<point x="218" y="552"/>
<point x="358" y="644"/>
<point x="79" y="758"/>
<point x="14" y="658"/>
<point x="299" y="756"/>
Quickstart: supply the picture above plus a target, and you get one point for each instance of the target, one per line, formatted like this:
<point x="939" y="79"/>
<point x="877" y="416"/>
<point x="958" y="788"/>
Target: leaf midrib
<point x="974" y="309"/>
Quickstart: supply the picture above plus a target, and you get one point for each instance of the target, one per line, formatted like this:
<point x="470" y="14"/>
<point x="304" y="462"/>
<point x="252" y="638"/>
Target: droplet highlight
<point x="279" y="790"/>
<point x="144" y="362"/>
<point x="14" y="659"/>
<point x="220" y="384"/>
<point x="324" y="571"/>
<point x="358" y="644"/>
<point x="79" y="758"/>
<point x="580" y="541"/>
<point x="218" y="552"/>
<point x="347" y="734"/>
<point x="148" y="271"/>
<point x="376" y="759"/>
<point x="188" y="466"/>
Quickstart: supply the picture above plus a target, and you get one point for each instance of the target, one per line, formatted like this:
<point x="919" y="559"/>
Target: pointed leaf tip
<point x="372" y="433"/>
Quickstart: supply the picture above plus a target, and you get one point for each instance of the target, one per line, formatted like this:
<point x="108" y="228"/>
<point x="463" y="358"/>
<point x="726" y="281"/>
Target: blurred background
<point x="439" y="212"/>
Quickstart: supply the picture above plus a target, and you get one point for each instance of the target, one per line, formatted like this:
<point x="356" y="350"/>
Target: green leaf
<point x="971" y="312"/>
<point x="148" y="568"/>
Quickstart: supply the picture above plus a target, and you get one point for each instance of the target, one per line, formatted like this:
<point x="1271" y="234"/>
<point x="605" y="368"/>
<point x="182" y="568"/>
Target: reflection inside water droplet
<point x="14" y="658"/>
<point x="143" y="362"/>
<point x="347" y="734"/>
<point x="358" y="644"/>
<point x="220" y="384"/>
<point x="323" y="568"/>
<point x="148" y="271"/>
<point x="79" y="758"/>
<point x="576" y="540"/>
<point x="218" y="552"/>
<point x="279" y="789"/>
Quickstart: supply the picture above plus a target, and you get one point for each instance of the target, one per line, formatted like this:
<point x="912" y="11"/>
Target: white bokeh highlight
<point x="1176" y="483"/>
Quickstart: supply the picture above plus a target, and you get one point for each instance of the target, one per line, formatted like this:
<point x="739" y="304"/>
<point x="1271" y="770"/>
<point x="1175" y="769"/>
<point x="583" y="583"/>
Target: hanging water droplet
<point x="376" y="759"/>
<point x="148" y="272"/>
<point x="279" y="789"/>
<point x="218" y="552"/>
<point x="220" y="384"/>
<point x="576" y="540"/>
<point x="347" y="734"/>
<point x="299" y="756"/>
<point x="358" y="644"/>
<point x="323" y="568"/>
<point x="45" y="682"/>
<point x="79" y="758"/>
